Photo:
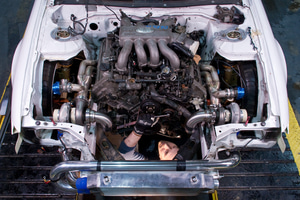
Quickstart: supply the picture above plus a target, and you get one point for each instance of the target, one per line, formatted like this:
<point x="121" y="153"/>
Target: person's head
<point x="167" y="150"/>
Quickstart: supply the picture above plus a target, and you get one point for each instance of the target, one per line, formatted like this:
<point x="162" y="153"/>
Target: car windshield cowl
<point x="149" y="3"/>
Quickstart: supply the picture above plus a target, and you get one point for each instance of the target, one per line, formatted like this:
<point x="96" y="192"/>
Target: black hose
<point x="164" y="100"/>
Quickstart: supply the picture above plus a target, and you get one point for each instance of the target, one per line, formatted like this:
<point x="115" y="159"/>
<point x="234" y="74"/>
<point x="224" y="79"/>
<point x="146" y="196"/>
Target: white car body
<point x="40" y="43"/>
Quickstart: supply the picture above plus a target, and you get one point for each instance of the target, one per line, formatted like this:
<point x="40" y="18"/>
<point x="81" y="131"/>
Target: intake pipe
<point x="123" y="56"/>
<point x="140" y="52"/>
<point x="154" y="53"/>
<point x="169" y="54"/>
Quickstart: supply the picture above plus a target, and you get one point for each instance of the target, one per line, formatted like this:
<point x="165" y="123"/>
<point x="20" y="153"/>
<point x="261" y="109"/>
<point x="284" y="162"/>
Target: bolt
<point x="194" y="179"/>
<point x="231" y="143"/>
<point x="105" y="144"/>
<point x="216" y="183"/>
<point x="37" y="123"/>
<point x="263" y="123"/>
<point x="106" y="179"/>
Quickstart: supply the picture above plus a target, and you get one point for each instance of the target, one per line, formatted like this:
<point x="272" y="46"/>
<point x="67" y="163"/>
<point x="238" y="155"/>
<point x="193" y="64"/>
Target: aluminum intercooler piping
<point x="198" y="117"/>
<point x="69" y="166"/>
<point x="104" y="120"/>
<point x="65" y="185"/>
<point x="189" y="165"/>
<point x="69" y="182"/>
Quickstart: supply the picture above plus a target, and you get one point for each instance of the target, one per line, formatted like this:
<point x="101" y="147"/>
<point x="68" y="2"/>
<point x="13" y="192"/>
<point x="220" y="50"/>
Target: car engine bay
<point x="195" y="69"/>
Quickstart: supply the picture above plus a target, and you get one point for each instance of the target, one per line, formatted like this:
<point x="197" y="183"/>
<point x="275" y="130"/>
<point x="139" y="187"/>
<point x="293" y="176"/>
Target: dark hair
<point x="148" y="144"/>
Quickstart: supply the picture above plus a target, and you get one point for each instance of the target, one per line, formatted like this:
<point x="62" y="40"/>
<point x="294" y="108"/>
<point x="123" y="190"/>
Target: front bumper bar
<point x="142" y="178"/>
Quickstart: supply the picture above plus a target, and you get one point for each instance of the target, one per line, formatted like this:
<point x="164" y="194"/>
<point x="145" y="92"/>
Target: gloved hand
<point x="143" y="123"/>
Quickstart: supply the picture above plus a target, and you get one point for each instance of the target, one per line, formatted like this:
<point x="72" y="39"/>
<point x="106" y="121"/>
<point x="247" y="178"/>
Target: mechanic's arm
<point x="127" y="146"/>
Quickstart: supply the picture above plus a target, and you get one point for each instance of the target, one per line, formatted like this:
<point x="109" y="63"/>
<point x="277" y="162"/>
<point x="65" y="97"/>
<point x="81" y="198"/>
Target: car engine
<point x="154" y="67"/>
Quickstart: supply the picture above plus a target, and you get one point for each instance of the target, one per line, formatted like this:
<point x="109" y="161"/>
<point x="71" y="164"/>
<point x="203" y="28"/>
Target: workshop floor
<point x="284" y="18"/>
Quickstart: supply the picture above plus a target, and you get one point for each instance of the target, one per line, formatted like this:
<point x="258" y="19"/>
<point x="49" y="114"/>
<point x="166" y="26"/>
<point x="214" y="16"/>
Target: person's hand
<point x="144" y="122"/>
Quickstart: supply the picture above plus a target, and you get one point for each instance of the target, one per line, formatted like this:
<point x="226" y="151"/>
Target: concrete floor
<point x="13" y="19"/>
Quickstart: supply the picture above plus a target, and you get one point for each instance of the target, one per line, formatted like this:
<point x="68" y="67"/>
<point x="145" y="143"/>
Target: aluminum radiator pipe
<point x="189" y="165"/>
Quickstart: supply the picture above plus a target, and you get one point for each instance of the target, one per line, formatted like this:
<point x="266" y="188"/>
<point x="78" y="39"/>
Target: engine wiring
<point x="73" y="18"/>
<point x="108" y="8"/>
<point x="112" y="12"/>
<point x="227" y="64"/>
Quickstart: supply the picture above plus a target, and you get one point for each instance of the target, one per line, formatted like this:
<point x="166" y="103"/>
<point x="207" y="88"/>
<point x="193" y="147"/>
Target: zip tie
<point x="247" y="121"/>
<point x="45" y="180"/>
<point x="54" y="123"/>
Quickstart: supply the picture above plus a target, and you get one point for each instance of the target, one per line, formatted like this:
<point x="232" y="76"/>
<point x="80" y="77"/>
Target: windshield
<point x="149" y="3"/>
